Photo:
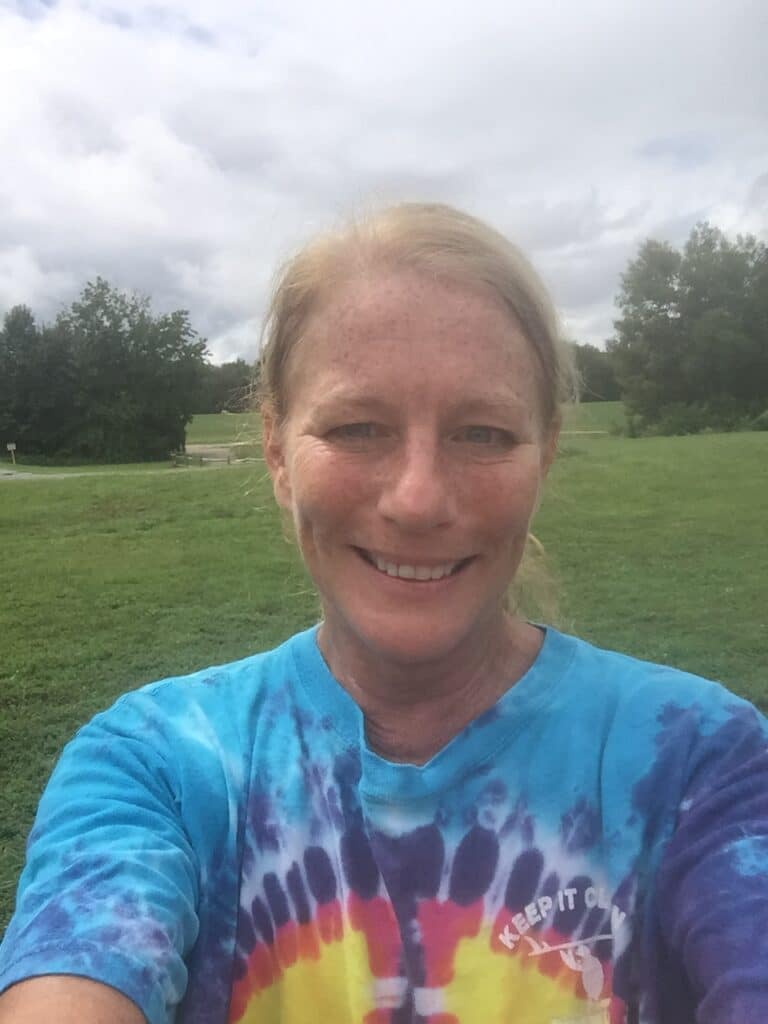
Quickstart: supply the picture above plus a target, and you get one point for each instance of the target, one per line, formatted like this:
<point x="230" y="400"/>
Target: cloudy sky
<point x="184" y="149"/>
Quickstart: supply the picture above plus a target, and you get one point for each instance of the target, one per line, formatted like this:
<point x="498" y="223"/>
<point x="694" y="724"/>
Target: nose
<point x="417" y="492"/>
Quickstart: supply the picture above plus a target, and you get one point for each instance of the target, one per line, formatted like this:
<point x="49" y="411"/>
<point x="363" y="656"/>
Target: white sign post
<point x="11" y="446"/>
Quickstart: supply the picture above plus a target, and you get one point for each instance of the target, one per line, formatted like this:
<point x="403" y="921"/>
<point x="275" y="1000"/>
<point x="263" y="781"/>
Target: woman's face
<point x="411" y="460"/>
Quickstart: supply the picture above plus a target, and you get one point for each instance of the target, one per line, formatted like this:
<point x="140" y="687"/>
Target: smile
<point x="406" y="571"/>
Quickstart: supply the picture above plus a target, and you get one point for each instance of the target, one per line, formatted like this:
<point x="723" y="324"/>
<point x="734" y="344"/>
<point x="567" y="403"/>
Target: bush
<point x="679" y="418"/>
<point x="721" y="415"/>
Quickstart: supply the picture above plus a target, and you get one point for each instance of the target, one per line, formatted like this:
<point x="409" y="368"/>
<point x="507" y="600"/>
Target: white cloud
<point x="21" y="276"/>
<point x="183" y="149"/>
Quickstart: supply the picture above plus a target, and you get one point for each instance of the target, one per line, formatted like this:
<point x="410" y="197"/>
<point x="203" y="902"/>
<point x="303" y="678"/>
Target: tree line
<point x="108" y="380"/>
<point x="691" y="345"/>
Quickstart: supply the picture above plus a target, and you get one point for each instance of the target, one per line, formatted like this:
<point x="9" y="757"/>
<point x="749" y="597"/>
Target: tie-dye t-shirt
<point x="225" y="848"/>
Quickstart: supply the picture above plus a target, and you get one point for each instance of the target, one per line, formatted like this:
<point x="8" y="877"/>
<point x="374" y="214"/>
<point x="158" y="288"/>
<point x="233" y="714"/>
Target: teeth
<point x="414" y="572"/>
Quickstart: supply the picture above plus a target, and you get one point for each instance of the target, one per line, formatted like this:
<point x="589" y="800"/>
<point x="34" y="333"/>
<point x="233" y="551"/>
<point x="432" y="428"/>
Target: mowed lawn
<point x="112" y="580"/>
<point x="594" y="417"/>
<point x="222" y="428"/>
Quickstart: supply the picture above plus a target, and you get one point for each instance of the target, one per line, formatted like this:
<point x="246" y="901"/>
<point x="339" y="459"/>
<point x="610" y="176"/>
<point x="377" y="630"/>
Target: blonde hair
<point x="448" y="243"/>
<point x="430" y="237"/>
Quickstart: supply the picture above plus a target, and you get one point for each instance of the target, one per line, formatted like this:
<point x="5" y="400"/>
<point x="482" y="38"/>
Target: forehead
<point x="410" y="329"/>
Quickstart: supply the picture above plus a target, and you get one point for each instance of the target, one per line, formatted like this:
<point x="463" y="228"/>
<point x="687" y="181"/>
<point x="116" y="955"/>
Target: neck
<point x="412" y="711"/>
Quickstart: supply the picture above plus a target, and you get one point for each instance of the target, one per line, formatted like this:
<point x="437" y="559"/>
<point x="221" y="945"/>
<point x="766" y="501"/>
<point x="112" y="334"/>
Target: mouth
<point x="414" y="572"/>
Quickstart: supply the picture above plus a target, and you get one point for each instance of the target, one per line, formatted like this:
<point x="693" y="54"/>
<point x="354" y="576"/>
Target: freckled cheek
<point x="327" y="499"/>
<point x="499" y="503"/>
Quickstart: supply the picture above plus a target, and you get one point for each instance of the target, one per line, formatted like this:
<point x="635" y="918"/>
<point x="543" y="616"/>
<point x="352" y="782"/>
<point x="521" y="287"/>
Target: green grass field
<point x="112" y="580"/>
<point x="222" y="428"/>
<point x="594" y="417"/>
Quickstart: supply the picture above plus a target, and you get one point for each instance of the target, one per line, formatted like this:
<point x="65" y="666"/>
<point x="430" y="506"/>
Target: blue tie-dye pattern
<point x="750" y="856"/>
<point x="201" y="815"/>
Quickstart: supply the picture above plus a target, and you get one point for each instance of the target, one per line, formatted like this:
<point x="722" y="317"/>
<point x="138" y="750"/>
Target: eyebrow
<point x="351" y="400"/>
<point x="492" y="405"/>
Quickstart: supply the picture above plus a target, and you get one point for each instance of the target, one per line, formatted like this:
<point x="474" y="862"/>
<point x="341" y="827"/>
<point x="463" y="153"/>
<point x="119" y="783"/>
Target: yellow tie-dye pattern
<point x="334" y="989"/>
<point x="497" y="987"/>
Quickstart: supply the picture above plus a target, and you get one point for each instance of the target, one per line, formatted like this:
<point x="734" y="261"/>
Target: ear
<point x="274" y="456"/>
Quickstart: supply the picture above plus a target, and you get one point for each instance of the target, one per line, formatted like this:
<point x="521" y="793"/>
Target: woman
<point x="426" y="809"/>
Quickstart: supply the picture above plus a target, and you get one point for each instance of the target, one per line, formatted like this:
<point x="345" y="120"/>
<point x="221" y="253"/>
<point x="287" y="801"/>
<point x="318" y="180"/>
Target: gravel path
<point x="214" y="455"/>
<point x="21" y="475"/>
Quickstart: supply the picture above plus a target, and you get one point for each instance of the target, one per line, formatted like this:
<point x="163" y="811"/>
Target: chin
<point x="404" y="651"/>
<point x="412" y="643"/>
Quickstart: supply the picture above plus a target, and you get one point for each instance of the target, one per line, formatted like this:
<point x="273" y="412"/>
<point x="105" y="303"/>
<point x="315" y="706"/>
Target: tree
<point x="137" y="375"/>
<point x="226" y="387"/>
<point x="693" y="334"/>
<point x="19" y="341"/>
<point x="36" y="377"/>
<point x="647" y="352"/>
<point x="108" y="380"/>
<point x="596" y="374"/>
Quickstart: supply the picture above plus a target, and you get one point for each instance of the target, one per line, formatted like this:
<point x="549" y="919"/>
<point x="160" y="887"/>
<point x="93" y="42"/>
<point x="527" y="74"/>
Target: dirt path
<point x="214" y="456"/>
<point x="212" y="452"/>
<point x="9" y="475"/>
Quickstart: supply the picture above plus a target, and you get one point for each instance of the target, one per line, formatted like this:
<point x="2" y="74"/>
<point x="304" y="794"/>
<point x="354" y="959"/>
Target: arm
<point x="110" y="887"/>
<point x="66" y="1000"/>
<point x="713" y="882"/>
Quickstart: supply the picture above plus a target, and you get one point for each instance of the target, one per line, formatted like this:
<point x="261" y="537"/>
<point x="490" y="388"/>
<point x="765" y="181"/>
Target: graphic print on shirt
<point x="578" y="954"/>
<point x="369" y="926"/>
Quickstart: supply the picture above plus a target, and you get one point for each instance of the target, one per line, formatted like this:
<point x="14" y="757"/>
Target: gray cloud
<point x="757" y="199"/>
<point x="687" y="151"/>
<point x="32" y="9"/>
<point x="184" y="149"/>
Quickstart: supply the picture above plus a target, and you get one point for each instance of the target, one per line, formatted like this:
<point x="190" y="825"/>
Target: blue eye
<point x="490" y="436"/>
<point x="354" y="432"/>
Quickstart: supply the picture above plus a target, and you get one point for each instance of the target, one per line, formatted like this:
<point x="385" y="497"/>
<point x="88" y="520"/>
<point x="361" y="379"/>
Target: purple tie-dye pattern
<point x="203" y="818"/>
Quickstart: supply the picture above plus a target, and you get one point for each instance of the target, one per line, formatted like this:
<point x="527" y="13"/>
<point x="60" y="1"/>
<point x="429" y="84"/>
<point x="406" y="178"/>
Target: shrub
<point x="721" y="415"/>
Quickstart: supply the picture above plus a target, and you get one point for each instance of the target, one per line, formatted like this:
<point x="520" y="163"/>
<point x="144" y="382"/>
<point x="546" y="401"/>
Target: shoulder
<point x="677" y="726"/>
<point x="226" y="699"/>
<point x="142" y="817"/>
<point x="620" y="681"/>
<point x="187" y="740"/>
